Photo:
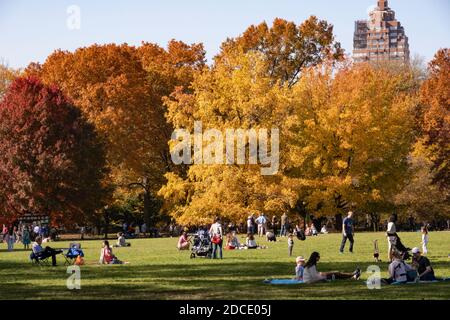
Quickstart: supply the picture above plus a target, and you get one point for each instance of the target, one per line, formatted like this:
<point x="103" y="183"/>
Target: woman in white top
<point x="391" y="234"/>
<point x="311" y="275"/>
<point x="216" y="234"/>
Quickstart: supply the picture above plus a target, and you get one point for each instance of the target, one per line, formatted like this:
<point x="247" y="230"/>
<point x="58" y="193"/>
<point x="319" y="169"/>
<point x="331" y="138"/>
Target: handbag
<point x="216" y="239"/>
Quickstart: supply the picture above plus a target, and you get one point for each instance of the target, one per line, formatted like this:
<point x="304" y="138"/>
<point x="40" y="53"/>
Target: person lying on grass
<point x="121" y="242"/>
<point x="311" y="275"/>
<point x="107" y="256"/>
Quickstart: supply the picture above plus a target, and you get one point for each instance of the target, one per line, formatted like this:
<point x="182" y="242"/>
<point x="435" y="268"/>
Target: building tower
<point x="381" y="38"/>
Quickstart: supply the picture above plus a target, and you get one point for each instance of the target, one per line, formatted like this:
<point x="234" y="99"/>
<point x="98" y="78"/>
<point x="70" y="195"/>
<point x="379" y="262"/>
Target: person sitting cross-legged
<point x="44" y="253"/>
<point x="422" y="265"/>
<point x="121" y="242"/>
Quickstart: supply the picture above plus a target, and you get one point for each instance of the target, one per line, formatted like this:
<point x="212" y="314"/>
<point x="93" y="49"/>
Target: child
<point x="299" y="268"/>
<point x="376" y="251"/>
<point x="26" y="240"/>
<point x="290" y="243"/>
<point x="424" y="240"/>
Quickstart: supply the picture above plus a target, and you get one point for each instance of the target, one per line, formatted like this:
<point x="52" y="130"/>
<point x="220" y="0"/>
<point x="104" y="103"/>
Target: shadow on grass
<point x="205" y="280"/>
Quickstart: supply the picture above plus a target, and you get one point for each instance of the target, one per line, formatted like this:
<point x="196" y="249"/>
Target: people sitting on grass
<point x="183" y="241"/>
<point x="232" y="241"/>
<point x="121" y="242"/>
<point x="311" y="275"/>
<point x="422" y="265"/>
<point x="399" y="270"/>
<point x="313" y="230"/>
<point x="41" y="253"/>
<point x="308" y="231"/>
<point x="250" y="242"/>
<point x="299" y="268"/>
<point x="107" y="256"/>
<point x="324" y="229"/>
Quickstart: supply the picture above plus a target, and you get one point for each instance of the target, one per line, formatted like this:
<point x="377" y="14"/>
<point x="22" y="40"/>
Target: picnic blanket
<point x="421" y="282"/>
<point x="282" y="281"/>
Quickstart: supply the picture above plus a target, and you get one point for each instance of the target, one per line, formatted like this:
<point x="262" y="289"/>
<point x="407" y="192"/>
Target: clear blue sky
<point x="31" y="30"/>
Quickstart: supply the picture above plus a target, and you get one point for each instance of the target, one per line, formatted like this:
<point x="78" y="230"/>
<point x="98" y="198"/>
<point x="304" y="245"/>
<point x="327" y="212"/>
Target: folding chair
<point x="39" y="260"/>
<point x="72" y="253"/>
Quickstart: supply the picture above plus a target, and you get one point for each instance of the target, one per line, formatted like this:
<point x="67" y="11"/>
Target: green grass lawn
<point x="158" y="271"/>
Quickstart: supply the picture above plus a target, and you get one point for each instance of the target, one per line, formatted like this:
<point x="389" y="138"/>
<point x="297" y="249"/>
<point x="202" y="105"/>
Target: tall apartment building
<point x="381" y="37"/>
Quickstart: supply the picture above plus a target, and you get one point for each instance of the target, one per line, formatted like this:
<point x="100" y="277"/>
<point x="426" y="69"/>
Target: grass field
<point x="158" y="271"/>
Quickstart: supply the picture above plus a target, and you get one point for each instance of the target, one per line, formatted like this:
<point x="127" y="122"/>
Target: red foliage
<point x="51" y="161"/>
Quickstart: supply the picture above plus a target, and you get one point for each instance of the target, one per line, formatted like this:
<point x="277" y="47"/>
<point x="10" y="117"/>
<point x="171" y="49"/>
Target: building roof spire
<point x="383" y="4"/>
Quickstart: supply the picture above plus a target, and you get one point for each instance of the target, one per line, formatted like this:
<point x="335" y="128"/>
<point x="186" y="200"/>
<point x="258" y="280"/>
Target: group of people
<point x="106" y="254"/>
<point x="24" y="233"/>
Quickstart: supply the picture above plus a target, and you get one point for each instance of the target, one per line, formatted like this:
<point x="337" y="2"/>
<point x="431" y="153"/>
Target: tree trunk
<point x="338" y="222"/>
<point x="147" y="213"/>
<point x="106" y="223"/>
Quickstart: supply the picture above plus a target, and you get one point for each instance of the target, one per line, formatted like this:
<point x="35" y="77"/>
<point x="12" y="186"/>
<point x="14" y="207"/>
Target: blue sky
<point x="31" y="30"/>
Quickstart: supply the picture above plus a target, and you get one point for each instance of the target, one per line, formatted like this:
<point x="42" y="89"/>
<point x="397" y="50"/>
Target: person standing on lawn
<point x="274" y="223"/>
<point x="391" y="233"/>
<point x="216" y="235"/>
<point x="347" y="232"/>
<point x="284" y="225"/>
<point x="262" y="224"/>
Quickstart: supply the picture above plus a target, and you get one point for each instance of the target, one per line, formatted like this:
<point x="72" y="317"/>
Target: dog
<point x="376" y="251"/>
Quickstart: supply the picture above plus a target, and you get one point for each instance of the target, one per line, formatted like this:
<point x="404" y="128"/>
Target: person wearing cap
<point x="422" y="265"/>
<point x="299" y="268"/>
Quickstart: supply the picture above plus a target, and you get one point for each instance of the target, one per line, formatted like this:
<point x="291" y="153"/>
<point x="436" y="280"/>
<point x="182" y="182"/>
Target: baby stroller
<point x="397" y="245"/>
<point x="201" y="246"/>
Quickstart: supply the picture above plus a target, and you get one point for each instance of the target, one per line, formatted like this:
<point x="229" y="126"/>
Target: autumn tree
<point x="120" y="88"/>
<point x="7" y="75"/>
<point x="435" y="116"/>
<point x="51" y="160"/>
<point x="420" y="196"/>
<point x="286" y="47"/>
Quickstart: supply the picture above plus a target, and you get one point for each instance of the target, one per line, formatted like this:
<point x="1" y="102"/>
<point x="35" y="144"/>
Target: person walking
<point x="347" y="232"/>
<point x="216" y="234"/>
